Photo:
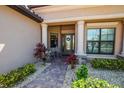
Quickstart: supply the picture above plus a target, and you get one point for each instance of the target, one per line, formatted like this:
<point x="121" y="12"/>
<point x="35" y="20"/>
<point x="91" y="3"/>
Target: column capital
<point x="44" y="24"/>
<point x="80" y="22"/>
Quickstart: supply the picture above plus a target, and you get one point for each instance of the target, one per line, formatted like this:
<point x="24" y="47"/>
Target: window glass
<point x="92" y="47"/>
<point x="100" y="41"/>
<point x="106" y="47"/>
<point x="93" y="34"/>
<point x="53" y="40"/>
<point x="107" y="34"/>
<point x="73" y="42"/>
<point x="68" y="42"/>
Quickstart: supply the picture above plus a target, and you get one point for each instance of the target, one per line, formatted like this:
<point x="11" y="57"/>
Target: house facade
<point x="86" y="30"/>
<point x="19" y="34"/>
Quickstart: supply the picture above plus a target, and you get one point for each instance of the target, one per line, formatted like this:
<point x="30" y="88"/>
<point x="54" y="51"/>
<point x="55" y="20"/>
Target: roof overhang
<point x="26" y="12"/>
<point x="36" y="6"/>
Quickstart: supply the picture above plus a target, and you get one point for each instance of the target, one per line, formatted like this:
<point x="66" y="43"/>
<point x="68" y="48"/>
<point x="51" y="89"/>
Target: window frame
<point x="57" y="39"/>
<point x="99" y="41"/>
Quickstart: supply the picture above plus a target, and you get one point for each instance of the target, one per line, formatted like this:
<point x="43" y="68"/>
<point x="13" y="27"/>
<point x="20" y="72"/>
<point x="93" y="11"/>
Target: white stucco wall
<point x="18" y="37"/>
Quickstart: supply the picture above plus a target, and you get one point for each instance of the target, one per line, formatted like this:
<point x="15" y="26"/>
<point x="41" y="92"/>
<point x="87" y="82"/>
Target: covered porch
<point x="84" y="30"/>
<point x="85" y="38"/>
<point x="63" y="36"/>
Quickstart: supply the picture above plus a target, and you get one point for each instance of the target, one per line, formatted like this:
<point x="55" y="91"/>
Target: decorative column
<point x="122" y="53"/>
<point x="44" y="34"/>
<point x="80" y="38"/>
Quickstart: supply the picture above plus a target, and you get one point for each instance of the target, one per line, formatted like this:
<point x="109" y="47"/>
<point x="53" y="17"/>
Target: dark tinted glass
<point x="100" y="41"/>
<point x="92" y="47"/>
<point x="53" y="40"/>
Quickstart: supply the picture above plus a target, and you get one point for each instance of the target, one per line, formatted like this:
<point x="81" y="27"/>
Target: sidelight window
<point x="53" y="40"/>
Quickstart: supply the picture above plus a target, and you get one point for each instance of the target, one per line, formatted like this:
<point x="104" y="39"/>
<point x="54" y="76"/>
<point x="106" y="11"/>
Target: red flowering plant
<point x="39" y="51"/>
<point x="72" y="60"/>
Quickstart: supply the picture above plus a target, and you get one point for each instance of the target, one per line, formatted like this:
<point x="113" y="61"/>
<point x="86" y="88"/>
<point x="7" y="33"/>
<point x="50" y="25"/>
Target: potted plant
<point x="39" y="52"/>
<point x="72" y="60"/>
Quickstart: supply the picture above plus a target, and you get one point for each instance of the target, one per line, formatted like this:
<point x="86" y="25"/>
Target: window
<point x="53" y="40"/>
<point x="100" y="41"/>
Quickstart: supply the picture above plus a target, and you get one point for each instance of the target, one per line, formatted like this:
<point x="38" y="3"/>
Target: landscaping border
<point x="39" y="69"/>
<point x="70" y="76"/>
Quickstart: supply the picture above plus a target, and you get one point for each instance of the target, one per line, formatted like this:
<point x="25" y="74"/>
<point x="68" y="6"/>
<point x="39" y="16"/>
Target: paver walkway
<point x="52" y="77"/>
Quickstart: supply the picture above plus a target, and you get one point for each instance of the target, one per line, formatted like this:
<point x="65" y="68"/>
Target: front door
<point x="68" y="44"/>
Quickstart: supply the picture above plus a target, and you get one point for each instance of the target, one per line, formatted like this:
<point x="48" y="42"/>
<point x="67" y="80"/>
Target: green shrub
<point x="112" y="64"/>
<point x="11" y="78"/>
<point x="82" y="72"/>
<point x="92" y="83"/>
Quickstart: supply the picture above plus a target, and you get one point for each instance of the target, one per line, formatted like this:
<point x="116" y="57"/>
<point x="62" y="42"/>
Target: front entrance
<point x="68" y="44"/>
<point x="62" y="38"/>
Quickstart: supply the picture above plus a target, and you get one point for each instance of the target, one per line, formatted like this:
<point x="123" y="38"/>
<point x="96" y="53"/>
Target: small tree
<point x="39" y="51"/>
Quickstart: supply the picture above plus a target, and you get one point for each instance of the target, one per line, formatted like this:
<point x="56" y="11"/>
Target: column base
<point x="121" y="55"/>
<point x="81" y="54"/>
<point x="82" y="58"/>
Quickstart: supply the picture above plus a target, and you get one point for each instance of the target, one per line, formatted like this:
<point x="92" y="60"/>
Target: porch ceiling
<point x="65" y="14"/>
<point x="54" y="8"/>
